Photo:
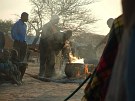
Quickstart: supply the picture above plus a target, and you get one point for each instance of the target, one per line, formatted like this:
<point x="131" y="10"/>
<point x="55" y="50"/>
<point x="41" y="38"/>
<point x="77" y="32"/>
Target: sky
<point x="9" y="8"/>
<point x="102" y="10"/>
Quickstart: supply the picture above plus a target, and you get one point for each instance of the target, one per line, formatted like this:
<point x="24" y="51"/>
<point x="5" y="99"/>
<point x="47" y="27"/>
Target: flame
<point x="86" y="69"/>
<point x="74" y="59"/>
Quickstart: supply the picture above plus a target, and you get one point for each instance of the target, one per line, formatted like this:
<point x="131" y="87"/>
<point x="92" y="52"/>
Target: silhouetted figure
<point x="97" y="89"/>
<point x="18" y="34"/>
<point x="121" y="86"/>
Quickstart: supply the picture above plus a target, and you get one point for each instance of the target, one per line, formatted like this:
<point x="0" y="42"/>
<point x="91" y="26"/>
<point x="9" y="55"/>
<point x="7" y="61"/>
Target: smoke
<point x="60" y="73"/>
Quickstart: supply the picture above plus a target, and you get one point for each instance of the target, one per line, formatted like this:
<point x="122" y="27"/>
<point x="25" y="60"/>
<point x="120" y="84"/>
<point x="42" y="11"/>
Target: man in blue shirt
<point x="18" y="34"/>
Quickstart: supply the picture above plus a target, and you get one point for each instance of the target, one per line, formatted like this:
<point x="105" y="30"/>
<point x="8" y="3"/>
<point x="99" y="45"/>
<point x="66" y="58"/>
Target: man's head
<point x="24" y="17"/>
<point x="110" y="22"/>
<point x="55" y="19"/>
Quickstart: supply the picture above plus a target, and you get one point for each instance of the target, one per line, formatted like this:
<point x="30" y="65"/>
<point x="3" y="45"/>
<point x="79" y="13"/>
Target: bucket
<point x="72" y="69"/>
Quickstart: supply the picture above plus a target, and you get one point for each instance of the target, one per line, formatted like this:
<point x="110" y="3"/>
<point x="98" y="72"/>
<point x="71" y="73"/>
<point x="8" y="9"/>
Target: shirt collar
<point x="21" y="21"/>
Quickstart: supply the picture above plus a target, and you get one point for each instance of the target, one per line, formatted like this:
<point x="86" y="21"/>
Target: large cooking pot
<point x="71" y="69"/>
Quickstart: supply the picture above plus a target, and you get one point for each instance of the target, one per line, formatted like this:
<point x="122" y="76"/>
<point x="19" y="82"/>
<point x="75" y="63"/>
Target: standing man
<point x="18" y="33"/>
<point x="47" y="54"/>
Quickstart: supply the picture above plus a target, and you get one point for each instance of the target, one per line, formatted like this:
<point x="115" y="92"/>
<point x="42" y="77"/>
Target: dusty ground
<point x="36" y="90"/>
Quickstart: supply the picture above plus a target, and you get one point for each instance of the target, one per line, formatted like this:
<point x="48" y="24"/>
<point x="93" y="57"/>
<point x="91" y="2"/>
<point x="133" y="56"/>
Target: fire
<point x="86" y="69"/>
<point x="74" y="59"/>
<point x="80" y="73"/>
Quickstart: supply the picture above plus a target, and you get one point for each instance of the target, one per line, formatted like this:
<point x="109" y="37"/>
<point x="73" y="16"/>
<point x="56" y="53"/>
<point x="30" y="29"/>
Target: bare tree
<point x="74" y="14"/>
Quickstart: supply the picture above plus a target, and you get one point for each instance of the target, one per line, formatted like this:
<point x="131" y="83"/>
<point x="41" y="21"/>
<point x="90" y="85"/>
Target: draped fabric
<point x="121" y="87"/>
<point x="97" y="89"/>
<point x="130" y="69"/>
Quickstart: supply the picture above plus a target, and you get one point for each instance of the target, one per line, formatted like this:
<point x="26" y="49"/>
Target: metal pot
<point x="71" y="69"/>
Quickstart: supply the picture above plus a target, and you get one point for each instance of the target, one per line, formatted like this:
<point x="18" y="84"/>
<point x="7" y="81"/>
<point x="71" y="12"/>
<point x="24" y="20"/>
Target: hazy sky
<point x="103" y="10"/>
<point x="8" y="8"/>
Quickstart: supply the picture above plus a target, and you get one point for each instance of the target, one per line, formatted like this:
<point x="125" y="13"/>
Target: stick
<point x="90" y="76"/>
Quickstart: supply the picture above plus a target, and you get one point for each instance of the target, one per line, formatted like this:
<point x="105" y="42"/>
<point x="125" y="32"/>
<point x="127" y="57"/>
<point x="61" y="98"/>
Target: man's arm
<point x="14" y="31"/>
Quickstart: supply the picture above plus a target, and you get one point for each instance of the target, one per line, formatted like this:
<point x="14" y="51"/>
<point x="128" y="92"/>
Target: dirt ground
<point x="36" y="90"/>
